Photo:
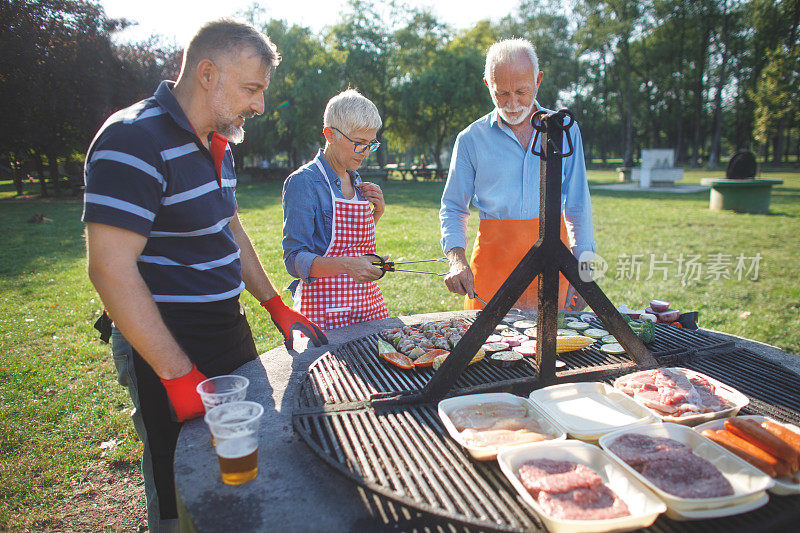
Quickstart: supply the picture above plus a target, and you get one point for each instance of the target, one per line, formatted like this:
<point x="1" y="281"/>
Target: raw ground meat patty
<point x="635" y="449"/>
<point x="596" y="503"/>
<point x="686" y="475"/>
<point x="556" y="476"/>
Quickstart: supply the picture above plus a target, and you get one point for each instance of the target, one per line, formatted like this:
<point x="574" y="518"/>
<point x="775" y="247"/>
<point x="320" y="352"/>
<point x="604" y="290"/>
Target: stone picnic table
<point x="294" y="489"/>
<point x="740" y="195"/>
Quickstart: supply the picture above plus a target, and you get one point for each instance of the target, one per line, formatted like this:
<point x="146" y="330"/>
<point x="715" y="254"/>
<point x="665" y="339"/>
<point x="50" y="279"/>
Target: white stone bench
<point x="659" y="175"/>
<point x="658" y="168"/>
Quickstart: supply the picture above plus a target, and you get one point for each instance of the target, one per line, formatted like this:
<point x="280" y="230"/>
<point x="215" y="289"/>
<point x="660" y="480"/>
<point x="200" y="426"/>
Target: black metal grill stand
<point x="546" y="258"/>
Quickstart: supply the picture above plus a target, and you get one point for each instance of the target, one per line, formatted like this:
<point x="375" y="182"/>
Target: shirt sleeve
<point x="124" y="180"/>
<point x="298" y="228"/>
<point x="578" y="204"/>
<point x="458" y="192"/>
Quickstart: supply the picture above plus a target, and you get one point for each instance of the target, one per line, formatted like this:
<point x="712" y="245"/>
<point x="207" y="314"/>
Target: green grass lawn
<point x="59" y="400"/>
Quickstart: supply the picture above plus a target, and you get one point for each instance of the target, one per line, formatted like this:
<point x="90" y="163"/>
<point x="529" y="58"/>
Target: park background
<point x="704" y="78"/>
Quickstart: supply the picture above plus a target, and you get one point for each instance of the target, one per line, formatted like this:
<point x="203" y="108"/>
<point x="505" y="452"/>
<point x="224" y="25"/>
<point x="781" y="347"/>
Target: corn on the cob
<point x="439" y="360"/>
<point x="569" y="343"/>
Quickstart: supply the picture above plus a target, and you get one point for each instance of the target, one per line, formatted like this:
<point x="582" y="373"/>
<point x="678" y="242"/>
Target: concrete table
<point x="743" y="196"/>
<point x="294" y="489"/>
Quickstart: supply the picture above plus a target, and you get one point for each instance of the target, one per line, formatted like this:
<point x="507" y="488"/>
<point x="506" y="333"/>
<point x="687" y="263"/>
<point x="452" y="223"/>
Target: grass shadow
<point x="647" y="195"/>
<point x="35" y="246"/>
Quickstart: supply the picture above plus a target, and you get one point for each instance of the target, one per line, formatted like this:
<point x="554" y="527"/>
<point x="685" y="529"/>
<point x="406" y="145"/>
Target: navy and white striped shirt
<point x="148" y="172"/>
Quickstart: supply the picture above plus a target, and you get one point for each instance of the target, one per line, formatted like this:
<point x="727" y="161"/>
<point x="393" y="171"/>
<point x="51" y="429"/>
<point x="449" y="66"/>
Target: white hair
<point x="350" y="111"/>
<point x="509" y="50"/>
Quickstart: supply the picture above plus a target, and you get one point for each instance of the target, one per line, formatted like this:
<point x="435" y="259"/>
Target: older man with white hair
<point x="493" y="167"/>
<point x="329" y="224"/>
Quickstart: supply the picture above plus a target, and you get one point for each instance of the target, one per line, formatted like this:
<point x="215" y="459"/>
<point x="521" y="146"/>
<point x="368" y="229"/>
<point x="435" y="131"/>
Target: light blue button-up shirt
<point x="308" y="215"/>
<point x="490" y="168"/>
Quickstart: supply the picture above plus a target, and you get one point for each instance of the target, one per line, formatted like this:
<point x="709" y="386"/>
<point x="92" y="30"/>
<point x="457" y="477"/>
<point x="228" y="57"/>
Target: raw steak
<point x="671" y="393"/>
<point x="596" y="503"/>
<point x="640" y="381"/>
<point x="557" y="476"/>
<point x="686" y="475"/>
<point x="636" y="449"/>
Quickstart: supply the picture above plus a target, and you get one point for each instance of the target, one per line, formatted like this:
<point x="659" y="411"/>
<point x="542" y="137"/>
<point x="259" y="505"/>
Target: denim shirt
<point x="308" y="216"/>
<point x="491" y="169"/>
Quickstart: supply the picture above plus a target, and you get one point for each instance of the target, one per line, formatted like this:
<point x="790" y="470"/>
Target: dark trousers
<point x="217" y="339"/>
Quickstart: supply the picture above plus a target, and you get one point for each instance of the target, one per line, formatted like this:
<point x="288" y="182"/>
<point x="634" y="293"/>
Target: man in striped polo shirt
<point x="166" y="250"/>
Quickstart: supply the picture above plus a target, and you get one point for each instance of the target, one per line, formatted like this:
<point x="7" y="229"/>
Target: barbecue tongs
<point x="389" y="266"/>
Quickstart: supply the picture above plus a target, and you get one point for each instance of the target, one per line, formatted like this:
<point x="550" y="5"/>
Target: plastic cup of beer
<point x="222" y="389"/>
<point x="234" y="426"/>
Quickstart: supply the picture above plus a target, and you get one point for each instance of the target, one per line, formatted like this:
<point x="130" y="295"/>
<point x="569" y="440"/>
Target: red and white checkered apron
<point x="339" y="301"/>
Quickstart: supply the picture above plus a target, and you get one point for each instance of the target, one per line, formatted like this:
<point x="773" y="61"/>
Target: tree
<point x="60" y="79"/>
<point x="306" y="79"/>
<point x="433" y="105"/>
<point x="777" y="98"/>
<point x="364" y="38"/>
<point x="547" y="27"/>
<point x="144" y="65"/>
<point x="615" y="22"/>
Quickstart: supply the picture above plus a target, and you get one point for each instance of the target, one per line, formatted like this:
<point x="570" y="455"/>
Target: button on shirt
<point x="308" y="215"/>
<point x="500" y="177"/>
<point x="148" y="172"/>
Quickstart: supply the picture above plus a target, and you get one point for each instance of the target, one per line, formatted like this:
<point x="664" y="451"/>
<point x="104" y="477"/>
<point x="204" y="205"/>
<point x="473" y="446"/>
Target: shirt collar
<point x="331" y="174"/>
<point x="328" y="168"/>
<point x="166" y="99"/>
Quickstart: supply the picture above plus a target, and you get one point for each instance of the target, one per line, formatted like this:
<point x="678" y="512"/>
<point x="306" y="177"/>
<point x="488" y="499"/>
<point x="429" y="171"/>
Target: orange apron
<point x="499" y="247"/>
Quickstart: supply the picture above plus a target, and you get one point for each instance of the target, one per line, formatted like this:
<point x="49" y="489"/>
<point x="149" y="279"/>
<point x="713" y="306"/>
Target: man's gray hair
<point x="227" y="37"/>
<point x="509" y="50"/>
<point x="350" y="111"/>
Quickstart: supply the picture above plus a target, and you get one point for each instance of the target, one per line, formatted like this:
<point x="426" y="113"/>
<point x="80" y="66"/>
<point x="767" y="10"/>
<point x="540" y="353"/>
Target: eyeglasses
<point x="359" y="147"/>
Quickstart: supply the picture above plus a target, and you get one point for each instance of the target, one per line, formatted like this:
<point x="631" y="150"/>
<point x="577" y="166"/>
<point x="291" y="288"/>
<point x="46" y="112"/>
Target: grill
<point x="378" y="425"/>
<point x="415" y="477"/>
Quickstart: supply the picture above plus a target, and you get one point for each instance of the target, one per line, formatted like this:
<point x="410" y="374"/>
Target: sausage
<point x="783" y="433"/>
<point x="784" y="469"/>
<point x="749" y="452"/>
<point x="751" y="431"/>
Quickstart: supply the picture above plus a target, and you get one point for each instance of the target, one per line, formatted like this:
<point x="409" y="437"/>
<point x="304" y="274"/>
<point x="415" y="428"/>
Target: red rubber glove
<point x="287" y="319"/>
<point x="183" y="396"/>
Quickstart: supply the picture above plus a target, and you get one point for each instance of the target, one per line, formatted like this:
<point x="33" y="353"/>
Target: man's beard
<point x="504" y="112"/>
<point x="225" y="119"/>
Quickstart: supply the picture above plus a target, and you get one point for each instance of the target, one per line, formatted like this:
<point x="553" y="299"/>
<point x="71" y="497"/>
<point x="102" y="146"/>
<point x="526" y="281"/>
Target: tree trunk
<point x="437" y="154"/>
<point x="40" y="170"/>
<point x="777" y="141"/>
<point x="380" y="155"/>
<point x="702" y="50"/>
<point x="16" y="175"/>
<point x="603" y="137"/>
<point x="716" y="138"/>
<point x="75" y="175"/>
<point x="627" y="117"/>
<point x="52" y="163"/>
<point x="677" y="112"/>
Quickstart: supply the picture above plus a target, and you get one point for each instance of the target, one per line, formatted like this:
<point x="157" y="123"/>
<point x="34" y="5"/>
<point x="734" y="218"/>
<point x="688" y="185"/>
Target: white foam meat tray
<point x="586" y="411"/>
<point x="643" y="505"/>
<point x="736" y="399"/>
<point x="488" y="453"/>
<point x="749" y="484"/>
